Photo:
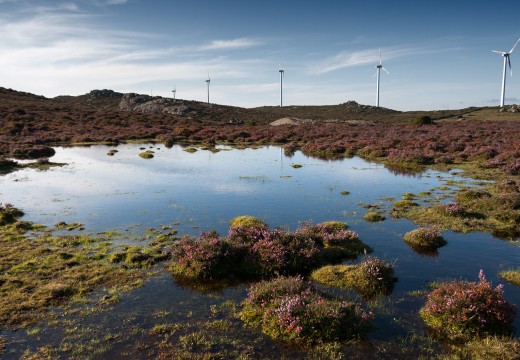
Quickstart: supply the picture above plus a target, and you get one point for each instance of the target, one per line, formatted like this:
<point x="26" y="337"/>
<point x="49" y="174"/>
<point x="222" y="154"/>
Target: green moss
<point x="511" y="276"/>
<point x="428" y="238"/>
<point x="148" y="154"/>
<point x="345" y="192"/>
<point x="191" y="150"/>
<point x="296" y="166"/>
<point x="246" y="221"/>
<point x="374" y="216"/>
<point x="370" y="278"/>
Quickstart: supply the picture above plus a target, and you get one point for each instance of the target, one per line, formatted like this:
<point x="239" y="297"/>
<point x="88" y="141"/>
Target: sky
<point x="438" y="52"/>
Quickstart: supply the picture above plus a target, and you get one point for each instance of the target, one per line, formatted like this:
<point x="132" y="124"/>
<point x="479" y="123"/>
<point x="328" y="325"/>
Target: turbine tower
<point x="378" y="74"/>
<point x="507" y="61"/>
<point x="174" y="91"/>
<point x="282" y="74"/>
<point x="207" y="82"/>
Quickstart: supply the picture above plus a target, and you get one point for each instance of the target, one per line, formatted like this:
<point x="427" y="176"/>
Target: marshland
<point x="158" y="235"/>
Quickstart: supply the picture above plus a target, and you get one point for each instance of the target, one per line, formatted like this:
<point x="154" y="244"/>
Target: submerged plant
<point x="461" y="310"/>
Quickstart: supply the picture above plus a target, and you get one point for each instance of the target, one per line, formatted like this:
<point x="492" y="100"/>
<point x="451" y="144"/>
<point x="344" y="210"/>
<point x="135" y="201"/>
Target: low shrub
<point x="429" y="238"/>
<point x="206" y="258"/>
<point x="422" y="120"/>
<point x="291" y="309"/>
<point x="452" y="209"/>
<point x="461" y="310"/>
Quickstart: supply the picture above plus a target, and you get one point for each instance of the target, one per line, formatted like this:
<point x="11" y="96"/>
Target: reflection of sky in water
<point x="204" y="190"/>
<point x="207" y="188"/>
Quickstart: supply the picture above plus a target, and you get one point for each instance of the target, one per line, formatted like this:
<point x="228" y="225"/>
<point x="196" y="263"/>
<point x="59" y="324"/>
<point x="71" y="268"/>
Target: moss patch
<point x="511" y="276"/>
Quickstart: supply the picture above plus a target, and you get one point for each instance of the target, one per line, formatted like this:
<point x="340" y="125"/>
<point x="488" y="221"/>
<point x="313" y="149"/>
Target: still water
<point x="202" y="191"/>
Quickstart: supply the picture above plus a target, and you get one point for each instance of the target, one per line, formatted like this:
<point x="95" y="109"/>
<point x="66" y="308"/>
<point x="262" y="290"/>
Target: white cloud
<point x="230" y="44"/>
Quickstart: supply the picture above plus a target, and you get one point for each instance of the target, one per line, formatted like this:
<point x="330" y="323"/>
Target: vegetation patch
<point x="374" y="216"/>
<point x="191" y="150"/>
<point x="370" y="278"/>
<point x="345" y="192"/>
<point x="246" y="221"/>
<point x="296" y="166"/>
<point x="511" y="276"/>
<point x="290" y="309"/>
<point x="259" y="252"/>
<point x="425" y="238"/>
<point x="40" y="269"/>
<point x="462" y="310"/>
<point x="112" y="152"/>
<point x="148" y="154"/>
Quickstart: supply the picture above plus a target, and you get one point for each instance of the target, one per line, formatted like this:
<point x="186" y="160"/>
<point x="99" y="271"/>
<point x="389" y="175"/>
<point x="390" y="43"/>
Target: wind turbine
<point x="378" y="74"/>
<point x="174" y="91"/>
<point x="207" y="82"/>
<point x="507" y="60"/>
<point x="282" y="74"/>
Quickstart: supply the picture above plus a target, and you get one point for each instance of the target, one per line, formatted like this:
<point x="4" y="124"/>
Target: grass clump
<point x="296" y="166"/>
<point x="511" y="276"/>
<point x="493" y="347"/>
<point x="345" y="192"/>
<point x="148" y="154"/>
<point x="112" y="152"/>
<point x="374" y="216"/>
<point x="462" y="310"/>
<point x="370" y="278"/>
<point x="425" y="238"/>
<point x="191" y="150"/>
<point x="290" y="309"/>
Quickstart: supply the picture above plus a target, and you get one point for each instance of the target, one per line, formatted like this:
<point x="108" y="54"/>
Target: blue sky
<point x="438" y="52"/>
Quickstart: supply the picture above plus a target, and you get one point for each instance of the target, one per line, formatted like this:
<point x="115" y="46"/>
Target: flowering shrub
<point x="291" y="309"/>
<point x="452" y="209"/>
<point x="260" y="252"/>
<point x="338" y="242"/>
<point x="425" y="238"/>
<point x="460" y="310"/>
<point x="206" y="258"/>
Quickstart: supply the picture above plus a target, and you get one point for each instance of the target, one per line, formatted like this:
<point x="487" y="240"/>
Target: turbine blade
<point x="513" y="48"/>
<point x="375" y="74"/>
<point x="380" y="59"/>
<point x="510" y="68"/>
<point x="499" y="52"/>
<point x="386" y="70"/>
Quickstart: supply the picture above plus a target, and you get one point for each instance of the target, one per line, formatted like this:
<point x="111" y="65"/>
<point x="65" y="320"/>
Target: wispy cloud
<point x="346" y="59"/>
<point x="230" y="44"/>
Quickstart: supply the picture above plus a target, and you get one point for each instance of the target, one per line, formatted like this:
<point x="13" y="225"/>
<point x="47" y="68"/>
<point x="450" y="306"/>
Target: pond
<point x="201" y="191"/>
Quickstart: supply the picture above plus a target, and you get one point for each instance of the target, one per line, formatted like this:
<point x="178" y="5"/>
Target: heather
<point x="290" y="309"/>
<point x="371" y="277"/>
<point x="256" y="251"/>
<point x="461" y="310"/>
